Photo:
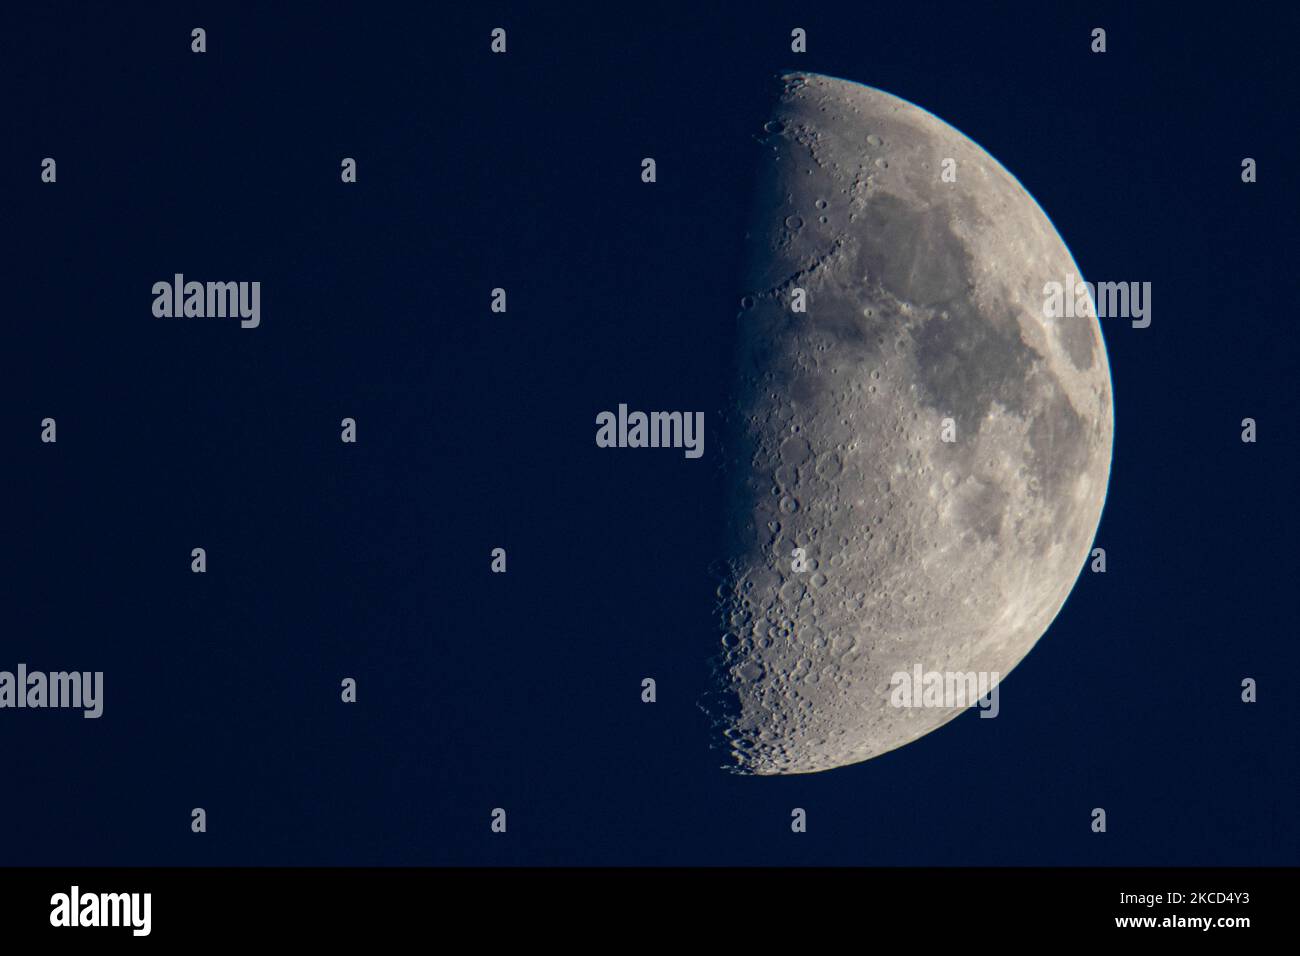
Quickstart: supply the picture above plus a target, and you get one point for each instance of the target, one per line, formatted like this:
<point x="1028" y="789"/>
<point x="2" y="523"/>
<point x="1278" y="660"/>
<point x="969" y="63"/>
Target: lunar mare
<point x="924" y="303"/>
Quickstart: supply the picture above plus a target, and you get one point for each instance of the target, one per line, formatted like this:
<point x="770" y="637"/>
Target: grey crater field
<point x="924" y="302"/>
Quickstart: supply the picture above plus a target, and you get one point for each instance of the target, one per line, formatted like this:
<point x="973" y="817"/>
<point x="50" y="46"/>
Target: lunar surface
<point x="937" y="447"/>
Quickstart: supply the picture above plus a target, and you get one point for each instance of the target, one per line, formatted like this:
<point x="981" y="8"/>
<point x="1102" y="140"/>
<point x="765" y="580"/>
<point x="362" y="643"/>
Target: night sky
<point x="475" y="431"/>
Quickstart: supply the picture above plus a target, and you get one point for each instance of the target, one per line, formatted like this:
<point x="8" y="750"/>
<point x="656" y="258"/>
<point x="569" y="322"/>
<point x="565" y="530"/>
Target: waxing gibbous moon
<point x="936" y="446"/>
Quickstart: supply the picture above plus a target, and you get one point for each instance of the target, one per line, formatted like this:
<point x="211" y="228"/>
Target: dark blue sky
<point x="476" y="431"/>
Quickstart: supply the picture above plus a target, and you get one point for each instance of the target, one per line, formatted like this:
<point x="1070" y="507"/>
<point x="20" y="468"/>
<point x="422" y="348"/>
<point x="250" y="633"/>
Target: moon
<point x="935" y="445"/>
